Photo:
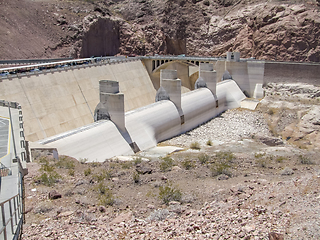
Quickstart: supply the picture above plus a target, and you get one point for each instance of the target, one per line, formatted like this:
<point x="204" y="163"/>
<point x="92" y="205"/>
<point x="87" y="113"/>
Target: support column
<point x="209" y="75"/>
<point x="171" y="86"/>
<point x="111" y="104"/>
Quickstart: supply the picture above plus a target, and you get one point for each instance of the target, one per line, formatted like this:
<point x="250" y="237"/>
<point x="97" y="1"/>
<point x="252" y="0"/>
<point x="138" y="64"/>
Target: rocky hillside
<point x="273" y="30"/>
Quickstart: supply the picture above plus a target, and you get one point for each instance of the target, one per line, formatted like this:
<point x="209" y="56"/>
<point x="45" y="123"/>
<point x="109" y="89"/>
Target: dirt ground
<point x="255" y="184"/>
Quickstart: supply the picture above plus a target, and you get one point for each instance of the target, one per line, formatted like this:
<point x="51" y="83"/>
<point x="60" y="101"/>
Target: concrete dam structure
<point x="60" y="105"/>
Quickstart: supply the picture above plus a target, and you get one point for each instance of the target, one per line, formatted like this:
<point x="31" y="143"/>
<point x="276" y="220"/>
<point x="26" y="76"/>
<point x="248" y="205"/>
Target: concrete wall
<point x="148" y="125"/>
<point x="247" y="74"/>
<point x="292" y="72"/>
<point x="59" y="101"/>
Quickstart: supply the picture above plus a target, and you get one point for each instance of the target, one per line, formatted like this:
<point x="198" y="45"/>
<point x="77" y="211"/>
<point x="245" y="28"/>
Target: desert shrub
<point x="136" y="177"/>
<point x="87" y="172"/>
<point x="48" y="179"/>
<point x="166" y="164"/>
<point x="280" y="159"/>
<point x="83" y="160"/>
<point x="261" y="162"/>
<point x="304" y="160"/>
<point x="225" y="156"/>
<point x="259" y="155"/>
<point x="209" y="142"/>
<point x="65" y="162"/>
<point x="106" y="197"/>
<point x="187" y="164"/>
<point x="95" y="164"/>
<point x="48" y="175"/>
<point x="137" y="160"/>
<point x="220" y="168"/>
<point x="126" y="164"/>
<point x="195" y="145"/>
<point x="71" y="172"/>
<point x="203" y="158"/>
<point x="169" y="193"/>
<point x="104" y="174"/>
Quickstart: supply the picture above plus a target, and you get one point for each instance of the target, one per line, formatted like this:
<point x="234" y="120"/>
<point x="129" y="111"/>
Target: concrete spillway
<point x="146" y="126"/>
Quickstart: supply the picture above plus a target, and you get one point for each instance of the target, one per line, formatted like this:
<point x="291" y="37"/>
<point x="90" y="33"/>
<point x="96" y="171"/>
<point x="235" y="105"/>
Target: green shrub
<point x="187" y="164"/>
<point x="126" y="164"/>
<point x="259" y="155"/>
<point x="83" y="160"/>
<point x="169" y="193"/>
<point x="209" y="142"/>
<point x="65" y="162"/>
<point x="49" y="179"/>
<point x="203" y="158"/>
<point x="106" y="197"/>
<point x="225" y="156"/>
<point x="261" y="162"/>
<point x="136" y="177"/>
<point x="137" y="160"/>
<point x="195" y="145"/>
<point x="166" y="164"/>
<point x="103" y="175"/>
<point x="220" y="168"/>
<point x="71" y="172"/>
<point x="280" y="159"/>
<point x="49" y="176"/>
<point x="95" y="164"/>
<point x="87" y="171"/>
<point x="304" y="160"/>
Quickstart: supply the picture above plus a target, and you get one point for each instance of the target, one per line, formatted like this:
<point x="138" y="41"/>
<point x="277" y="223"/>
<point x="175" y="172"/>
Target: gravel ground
<point x="232" y="125"/>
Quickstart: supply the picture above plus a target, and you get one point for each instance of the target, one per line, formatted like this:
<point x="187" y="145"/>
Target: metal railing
<point x="11" y="217"/>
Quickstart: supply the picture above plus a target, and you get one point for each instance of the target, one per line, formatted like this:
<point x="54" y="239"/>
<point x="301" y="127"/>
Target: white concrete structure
<point x="146" y="126"/>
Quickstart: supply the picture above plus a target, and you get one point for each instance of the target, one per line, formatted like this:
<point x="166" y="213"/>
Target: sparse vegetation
<point x="195" y="146"/>
<point x="83" y="160"/>
<point x="209" y="142"/>
<point x="304" y="160"/>
<point x="220" y="168"/>
<point x="203" y="158"/>
<point x="137" y="160"/>
<point x="169" y="193"/>
<point x="126" y="164"/>
<point x="49" y="176"/>
<point x="71" y="172"/>
<point x="87" y="171"/>
<point x="136" y="177"/>
<point x="166" y="164"/>
<point x="65" y="162"/>
<point x="225" y="156"/>
<point x="106" y="197"/>
<point x="103" y="175"/>
<point x="187" y="164"/>
<point x="280" y="159"/>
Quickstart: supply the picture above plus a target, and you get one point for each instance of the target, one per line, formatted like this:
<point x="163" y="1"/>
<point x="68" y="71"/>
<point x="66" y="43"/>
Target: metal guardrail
<point x="26" y="70"/>
<point x="14" y="220"/>
<point x="32" y="61"/>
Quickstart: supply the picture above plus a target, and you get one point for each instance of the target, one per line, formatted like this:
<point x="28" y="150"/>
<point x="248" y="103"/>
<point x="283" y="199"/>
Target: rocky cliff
<point x="273" y="30"/>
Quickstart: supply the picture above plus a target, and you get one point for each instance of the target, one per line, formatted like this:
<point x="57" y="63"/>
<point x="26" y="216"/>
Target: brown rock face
<point x="270" y="30"/>
<point x="101" y="39"/>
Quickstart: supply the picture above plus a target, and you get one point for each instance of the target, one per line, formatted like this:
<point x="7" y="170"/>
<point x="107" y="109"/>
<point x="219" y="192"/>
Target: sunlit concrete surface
<point x="4" y="136"/>
<point x="146" y="126"/>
